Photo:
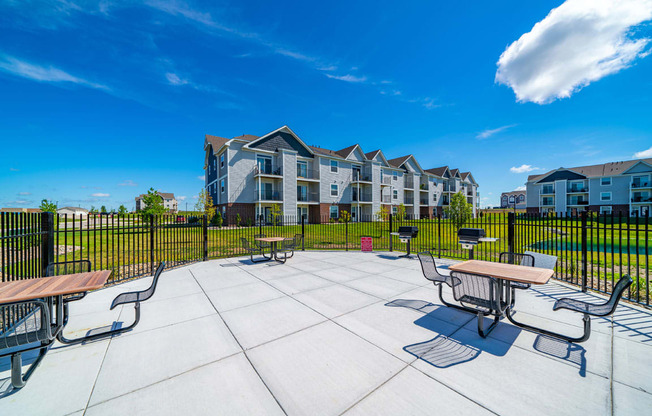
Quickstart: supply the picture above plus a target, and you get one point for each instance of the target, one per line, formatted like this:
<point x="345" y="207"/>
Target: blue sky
<point x="103" y="99"/>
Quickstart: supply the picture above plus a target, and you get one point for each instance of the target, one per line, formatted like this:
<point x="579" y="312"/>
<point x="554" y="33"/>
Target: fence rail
<point x="593" y="250"/>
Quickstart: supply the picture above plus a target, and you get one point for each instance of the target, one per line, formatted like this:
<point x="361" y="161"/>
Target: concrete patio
<point x="332" y="333"/>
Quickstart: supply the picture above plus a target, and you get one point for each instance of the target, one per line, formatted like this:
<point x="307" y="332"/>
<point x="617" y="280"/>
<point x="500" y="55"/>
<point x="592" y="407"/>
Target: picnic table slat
<point x="43" y="287"/>
<point x="513" y="272"/>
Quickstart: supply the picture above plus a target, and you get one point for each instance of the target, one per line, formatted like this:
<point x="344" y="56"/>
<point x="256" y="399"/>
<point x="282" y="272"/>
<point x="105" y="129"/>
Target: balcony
<point x="577" y="190"/>
<point x="268" y="195"/>
<point x="577" y="201"/>
<point x="361" y="176"/>
<point x="267" y="170"/>
<point x="308" y="197"/>
<point x="361" y="197"/>
<point x="408" y="200"/>
<point x="423" y="201"/>
<point x="408" y="181"/>
<point x="641" y="185"/>
<point x="445" y="201"/>
<point x="641" y="199"/>
<point x="387" y="180"/>
<point x="547" y="202"/>
<point x="386" y="199"/>
<point x="547" y="190"/>
<point x="423" y="187"/>
<point x="448" y="188"/>
<point x="304" y="174"/>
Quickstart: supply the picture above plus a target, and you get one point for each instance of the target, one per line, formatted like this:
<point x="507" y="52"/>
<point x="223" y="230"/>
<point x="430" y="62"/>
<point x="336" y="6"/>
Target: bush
<point x="248" y="222"/>
<point x="217" y="219"/>
<point x="193" y="220"/>
<point x="237" y="220"/>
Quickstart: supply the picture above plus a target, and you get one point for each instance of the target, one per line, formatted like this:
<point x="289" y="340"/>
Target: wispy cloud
<point x="14" y="170"/>
<point x="174" y="79"/>
<point x="101" y="195"/>
<point x="643" y="154"/>
<point x="19" y="202"/>
<point x="520" y="188"/>
<point x="523" y="168"/>
<point x="348" y="78"/>
<point x="24" y="69"/>
<point x="181" y="198"/>
<point x="490" y="132"/>
<point x="128" y="182"/>
<point x="24" y="193"/>
<point x="201" y="177"/>
<point x="579" y="42"/>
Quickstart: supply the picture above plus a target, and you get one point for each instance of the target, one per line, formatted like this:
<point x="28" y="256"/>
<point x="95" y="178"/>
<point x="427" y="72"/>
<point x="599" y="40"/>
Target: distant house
<point x="509" y="199"/>
<point x="169" y="202"/>
<point x="30" y="210"/>
<point x="72" y="211"/>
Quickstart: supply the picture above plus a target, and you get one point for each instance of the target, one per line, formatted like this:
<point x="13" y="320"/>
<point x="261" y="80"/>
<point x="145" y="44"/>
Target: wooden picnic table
<point x="273" y="242"/>
<point x="504" y="271"/>
<point x="44" y="287"/>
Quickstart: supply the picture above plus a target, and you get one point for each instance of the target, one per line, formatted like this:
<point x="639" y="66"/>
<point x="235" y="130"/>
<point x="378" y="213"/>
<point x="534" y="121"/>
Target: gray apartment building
<point x="513" y="199"/>
<point x="248" y="175"/>
<point x="168" y="199"/>
<point x="610" y="187"/>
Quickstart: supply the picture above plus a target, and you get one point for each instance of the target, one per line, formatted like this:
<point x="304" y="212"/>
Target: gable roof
<point x="372" y="155"/>
<point x="399" y="161"/>
<point x="344" y="153"/>
<point x="324" y="152"/>
<point x="438" y="171"/>
<point x="280" y="132"/>
<point x="595" y="171"/>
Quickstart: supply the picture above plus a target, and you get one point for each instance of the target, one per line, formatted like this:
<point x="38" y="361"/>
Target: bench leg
<point x="584" y="337"/>
<point x="481" y="330"/>
<point x="18" y="381"/>
<point x="62" y="339"/>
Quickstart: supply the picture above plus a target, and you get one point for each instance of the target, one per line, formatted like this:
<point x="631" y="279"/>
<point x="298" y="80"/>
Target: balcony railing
<point x="268" y="195"/>
<point x="307" y="174"/>
<point x="450" y="188"/>
<point x="578" y="202"/>
<point x="547" y="190"/>
<point x="641" y="185"/>
<point x="268" y="170"/>
<point x="423" y="186"/>
<point x="577" y="189"/>
<point x="308" y="197"/>
<point x="423" y="201"/>
<point x="361" y="197"/>
<point x="408" y="200"/>
<point x="387" y="180"/>
<point x="642" y="199"/>
<point x="361" y="177"/>
<point x="547" y="202"/>
<point x="386" y="199"/>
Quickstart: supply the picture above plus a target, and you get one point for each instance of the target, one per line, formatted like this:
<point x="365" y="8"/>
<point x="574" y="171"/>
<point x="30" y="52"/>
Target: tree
<point x="400" y="213"/>
<point x="276" y="214"/>
<point x="93" y="210"/>
<point x="238" y="220"/>
<point x="153" y="204"/>
<point x="205" y="205"/>
<point x="122" y="211"/>
<point x="103" y="208"/>
<point x="459" y="211"/>
<point x="217" y="219"/>
<point x="345" y="216"/>
<point x="383" y="213"/>
<point x="48" y="206"/>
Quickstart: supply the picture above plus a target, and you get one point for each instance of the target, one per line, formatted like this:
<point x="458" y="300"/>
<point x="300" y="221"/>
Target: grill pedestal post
<point x="408" y="256"/>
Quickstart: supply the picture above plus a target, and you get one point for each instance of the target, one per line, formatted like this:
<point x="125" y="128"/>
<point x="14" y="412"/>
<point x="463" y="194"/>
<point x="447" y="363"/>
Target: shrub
<point x="238" y="220"/>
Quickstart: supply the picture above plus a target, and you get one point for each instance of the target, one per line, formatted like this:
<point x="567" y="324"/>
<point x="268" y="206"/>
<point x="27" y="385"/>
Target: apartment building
<point x="248" y="175"/>
<point x="611" y="187"/>
<point x="514" y="199"/>
<point x="168" y="199"/>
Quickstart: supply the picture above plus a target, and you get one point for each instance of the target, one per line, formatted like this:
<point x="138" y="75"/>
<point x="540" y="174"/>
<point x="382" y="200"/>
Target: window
<point x="511" y="198"/>
<point x="434" y="197"/>
<point x="334" y="189"/>
<point x="222" y="186"/>
<point x="605" y="196"/>
<point x="395" y="176"/>
<point x="334" y="211"/>
<point x="395" y="194"/>
<point x="605" y="181"/>
<point x="605" y="210"/>
<point x="214" y="165"/>
<point x="302" y="169"/>
<point x="334" y="166"/>
<point x="222" y="160"/>
<point x="521" y="197"/>
<point x="394" y="210"/>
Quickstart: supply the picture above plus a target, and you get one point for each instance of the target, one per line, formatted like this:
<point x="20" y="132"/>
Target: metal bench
<point x="135" y="297"/>
<point x="521" y="259"/>
<point x="288" y="245"/>
<point x="480" y="294"/>
<point x="254" y="250"/>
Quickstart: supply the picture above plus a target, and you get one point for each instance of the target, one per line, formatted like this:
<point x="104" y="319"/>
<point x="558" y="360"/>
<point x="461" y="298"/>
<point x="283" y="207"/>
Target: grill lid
<point x="470" y="234"/>
<point x="408" y="231"/>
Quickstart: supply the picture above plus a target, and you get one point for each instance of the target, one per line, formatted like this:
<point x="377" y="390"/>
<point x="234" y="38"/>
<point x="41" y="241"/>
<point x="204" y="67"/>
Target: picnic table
<point x="47" y="294"/>
<point x="274" y="244"/>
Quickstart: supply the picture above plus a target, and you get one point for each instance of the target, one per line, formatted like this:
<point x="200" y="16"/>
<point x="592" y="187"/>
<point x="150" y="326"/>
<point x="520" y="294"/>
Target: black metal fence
<point x="593" y="250"/>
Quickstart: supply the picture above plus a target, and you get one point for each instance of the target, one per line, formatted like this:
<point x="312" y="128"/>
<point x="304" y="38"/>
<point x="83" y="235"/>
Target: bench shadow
<point x="572" y="353"/>
<point x="461" y="346"/>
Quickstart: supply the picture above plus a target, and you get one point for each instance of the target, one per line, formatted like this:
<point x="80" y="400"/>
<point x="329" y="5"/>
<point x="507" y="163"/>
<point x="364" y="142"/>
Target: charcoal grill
<point x="471" y="237"/>
<point x="405" y="235"/>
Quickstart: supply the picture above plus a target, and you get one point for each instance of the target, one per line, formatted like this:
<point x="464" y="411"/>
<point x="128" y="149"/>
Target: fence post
<point x="390" y="232"/>
<point x="584" y="247"/>
<point x="47" y="241"/>
<point x="151" y="242"/>
<point x="346" y="230"/>
<point x="303" y="233"/>
<point x="439" y="235"/>
<point x="205" y="234"/>
<point x="260" y="224"/>
<point x="510" y="232"/>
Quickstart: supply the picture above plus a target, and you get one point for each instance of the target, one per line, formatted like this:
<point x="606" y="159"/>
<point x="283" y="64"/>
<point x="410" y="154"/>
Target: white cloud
<point x="520" y="188"/>
<point x="181" y="198"/>
<point x="14" y="170"/>
<point x="174" y="79"/>
<point x="19" y="202"/>
<point x="522" y="169"/>
<point x="24" y="193"/>
<point x="39" y="73"/>
<point x="128" y="182"/>
<point x="348" y="78"/>
<point x="579" y="42"/>
<point x="644" y="154"/>
<point x="490" y="132"/>
<point x="101" y="195"/>
<point x="201" y="177"/>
